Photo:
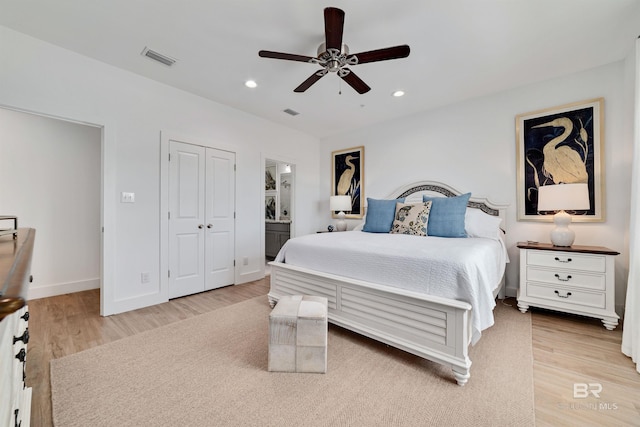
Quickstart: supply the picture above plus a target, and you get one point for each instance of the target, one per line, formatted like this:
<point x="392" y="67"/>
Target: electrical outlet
<point x="144" y="277"/>
<point x="245" y="261"/>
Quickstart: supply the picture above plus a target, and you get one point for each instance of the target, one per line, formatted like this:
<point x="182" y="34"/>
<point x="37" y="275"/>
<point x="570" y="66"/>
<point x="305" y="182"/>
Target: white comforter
<point x="464" y="269"/>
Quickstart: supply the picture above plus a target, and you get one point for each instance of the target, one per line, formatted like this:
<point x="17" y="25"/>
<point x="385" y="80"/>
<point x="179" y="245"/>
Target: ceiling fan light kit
<point x="333" y="56"/>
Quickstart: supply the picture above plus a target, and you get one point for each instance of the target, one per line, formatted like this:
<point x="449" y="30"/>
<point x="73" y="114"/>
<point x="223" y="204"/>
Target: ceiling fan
<point x="333" y="56"/>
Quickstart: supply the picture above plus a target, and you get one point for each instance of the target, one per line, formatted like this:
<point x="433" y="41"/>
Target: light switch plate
<point x="126" y="197"/>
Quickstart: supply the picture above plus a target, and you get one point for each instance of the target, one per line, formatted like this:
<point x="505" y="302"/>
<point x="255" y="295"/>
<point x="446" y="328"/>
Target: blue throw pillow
<point x="446" y="218"/>
<point x="380" y="214"/>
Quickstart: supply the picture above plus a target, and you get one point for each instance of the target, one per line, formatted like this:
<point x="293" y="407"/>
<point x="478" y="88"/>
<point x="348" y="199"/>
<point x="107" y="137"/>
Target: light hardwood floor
<point x="566" y="350"/>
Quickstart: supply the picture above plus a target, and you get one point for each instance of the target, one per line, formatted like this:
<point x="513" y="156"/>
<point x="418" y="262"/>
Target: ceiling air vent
<point x="291" y="112"/>
<point x="163" y="59"/>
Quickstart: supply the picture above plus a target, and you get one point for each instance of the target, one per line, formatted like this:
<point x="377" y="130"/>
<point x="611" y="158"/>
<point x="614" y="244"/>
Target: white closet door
<point x="187" y="217"/>
<point x="220" y="212"/>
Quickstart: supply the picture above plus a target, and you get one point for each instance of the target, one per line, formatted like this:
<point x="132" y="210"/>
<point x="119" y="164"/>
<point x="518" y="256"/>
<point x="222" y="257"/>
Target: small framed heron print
<point x="347" y="178"/>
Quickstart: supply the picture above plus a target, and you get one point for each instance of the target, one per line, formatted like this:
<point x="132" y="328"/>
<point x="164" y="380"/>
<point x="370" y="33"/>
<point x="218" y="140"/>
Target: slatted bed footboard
<point x="434" y="328"/>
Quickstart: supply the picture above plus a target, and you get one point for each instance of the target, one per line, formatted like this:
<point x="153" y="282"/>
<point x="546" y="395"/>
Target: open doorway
<point x="279" y="211"/>
<point x="51" y="179"/>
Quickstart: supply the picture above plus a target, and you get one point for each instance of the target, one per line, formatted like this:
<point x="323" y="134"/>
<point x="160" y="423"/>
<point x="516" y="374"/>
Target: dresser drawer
<point x="570" y="260"/>
<point x="567" y="278"/>
<point x="566" y="296"/>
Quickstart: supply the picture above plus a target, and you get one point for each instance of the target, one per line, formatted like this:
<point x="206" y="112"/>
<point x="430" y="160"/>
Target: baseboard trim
<point x="249" y="276"/>
<point x="36" y="292"/>
<point x="511" y="292"/>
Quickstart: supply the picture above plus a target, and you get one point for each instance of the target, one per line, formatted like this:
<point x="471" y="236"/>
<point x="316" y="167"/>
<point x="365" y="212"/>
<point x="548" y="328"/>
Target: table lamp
<point x="341" y="204"/>
<point x="561" y="197"/>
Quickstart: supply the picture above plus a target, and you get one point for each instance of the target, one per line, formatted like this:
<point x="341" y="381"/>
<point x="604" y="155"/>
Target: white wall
<point x="472" y="146"/>
<point x="50" y="179"/>
<point x="43" y="78"/>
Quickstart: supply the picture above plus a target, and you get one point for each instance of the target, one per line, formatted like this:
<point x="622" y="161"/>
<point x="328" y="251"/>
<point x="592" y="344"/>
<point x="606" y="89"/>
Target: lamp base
<point x="341" y="225"/>
<point x="562" y="235"/>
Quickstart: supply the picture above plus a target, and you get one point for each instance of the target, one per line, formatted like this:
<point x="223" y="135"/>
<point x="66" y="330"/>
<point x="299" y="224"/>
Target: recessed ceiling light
<point x="251" y="84"/>
<point x="398" y="93"/>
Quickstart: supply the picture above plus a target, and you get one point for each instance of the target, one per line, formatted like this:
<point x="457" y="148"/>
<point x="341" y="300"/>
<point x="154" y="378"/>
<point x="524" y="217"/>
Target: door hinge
<point x="234" y="167"/>
<point x="169" y="156"/>
<point x="234" y="215"/>
<point x="234" y="262"/>
<point x="168" y="215"/>
<point x="168" y="273"/>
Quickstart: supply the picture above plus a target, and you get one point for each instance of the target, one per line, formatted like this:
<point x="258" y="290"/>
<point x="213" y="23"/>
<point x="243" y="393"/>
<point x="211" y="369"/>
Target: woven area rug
<point x="211" y="370"/>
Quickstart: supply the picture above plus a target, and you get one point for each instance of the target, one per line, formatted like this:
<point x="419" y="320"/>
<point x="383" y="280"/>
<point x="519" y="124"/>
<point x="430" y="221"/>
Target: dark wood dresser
<point x="15" y="275"/>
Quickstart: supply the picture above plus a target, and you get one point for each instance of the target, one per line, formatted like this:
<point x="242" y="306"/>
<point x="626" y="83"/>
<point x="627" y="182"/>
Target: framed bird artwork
<point x="561" y="145"/>
<point x="347" y="178"/>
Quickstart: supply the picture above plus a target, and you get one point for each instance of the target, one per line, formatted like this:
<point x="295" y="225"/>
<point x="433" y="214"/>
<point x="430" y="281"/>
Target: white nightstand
<point x="575" y="279"/>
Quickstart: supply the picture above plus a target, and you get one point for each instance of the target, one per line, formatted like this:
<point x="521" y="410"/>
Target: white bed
<point x="433" y="309"/>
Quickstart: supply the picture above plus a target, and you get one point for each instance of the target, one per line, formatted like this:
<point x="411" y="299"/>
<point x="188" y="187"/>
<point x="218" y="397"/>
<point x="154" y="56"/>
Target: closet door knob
<point x="201" y="226"/>
<point x="209" y="225"/>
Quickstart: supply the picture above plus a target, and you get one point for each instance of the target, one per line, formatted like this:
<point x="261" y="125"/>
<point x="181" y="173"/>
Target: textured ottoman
<point x="298" y="335"/>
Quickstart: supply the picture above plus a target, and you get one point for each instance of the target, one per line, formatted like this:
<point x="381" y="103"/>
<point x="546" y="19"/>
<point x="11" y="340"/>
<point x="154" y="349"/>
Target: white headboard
<point x="413" y="193"/>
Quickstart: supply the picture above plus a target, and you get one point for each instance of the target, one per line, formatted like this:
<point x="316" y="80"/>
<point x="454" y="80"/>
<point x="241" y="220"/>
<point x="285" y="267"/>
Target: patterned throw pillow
<point x="411" y="218"/>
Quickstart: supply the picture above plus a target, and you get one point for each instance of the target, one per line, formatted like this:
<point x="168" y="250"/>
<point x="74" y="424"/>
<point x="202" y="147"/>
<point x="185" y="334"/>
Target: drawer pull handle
<point x="22" y="355"/>
<point x="561" y="279"/>
<point x="25" y="317"/>
<point x="563" y="296"/>
<point x="24" y="337"/>
<point x="563" y="260"/>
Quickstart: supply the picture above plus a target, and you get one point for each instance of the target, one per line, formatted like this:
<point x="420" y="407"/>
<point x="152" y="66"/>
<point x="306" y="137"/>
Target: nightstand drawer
<point x="566" y="296"/>
<point x="567" y="278"/>
<point x="571" y="260"/>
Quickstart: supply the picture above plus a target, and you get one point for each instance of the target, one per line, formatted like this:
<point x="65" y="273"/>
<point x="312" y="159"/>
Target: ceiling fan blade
<point x="286" y="56"/>
<point x="385" y="54"/>
<point x="310" y="81"/>
<point x="333" y="27"/>
<point x="354" y="81"/>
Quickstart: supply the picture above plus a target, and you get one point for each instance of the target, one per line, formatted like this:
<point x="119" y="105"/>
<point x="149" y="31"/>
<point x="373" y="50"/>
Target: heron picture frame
<point x="557" y="145"/>
<point x="347" y="178"/>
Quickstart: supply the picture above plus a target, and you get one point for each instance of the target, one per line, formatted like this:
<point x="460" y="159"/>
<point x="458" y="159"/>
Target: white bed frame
<point x="435" y="328"/>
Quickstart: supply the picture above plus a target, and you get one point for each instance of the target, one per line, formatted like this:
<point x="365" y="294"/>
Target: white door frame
<point x="107" y="204"/>
<point x="280" y="159"/>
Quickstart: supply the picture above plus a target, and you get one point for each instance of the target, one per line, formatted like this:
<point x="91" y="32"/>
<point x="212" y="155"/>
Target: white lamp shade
<point x="573" y="197"/>
<point x="340" y="203"/>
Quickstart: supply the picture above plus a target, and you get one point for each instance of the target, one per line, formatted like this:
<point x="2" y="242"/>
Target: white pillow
<point x="480" y="224"/>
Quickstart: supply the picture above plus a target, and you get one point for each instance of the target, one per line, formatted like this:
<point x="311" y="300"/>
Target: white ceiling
<point x="460" y="49"/>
